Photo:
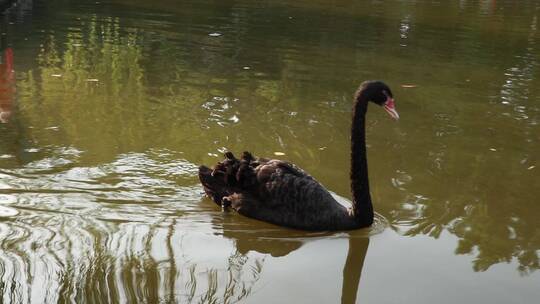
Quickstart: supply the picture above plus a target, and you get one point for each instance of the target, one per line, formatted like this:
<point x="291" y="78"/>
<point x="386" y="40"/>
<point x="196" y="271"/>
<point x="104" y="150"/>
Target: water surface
<point x="109" y="107"/>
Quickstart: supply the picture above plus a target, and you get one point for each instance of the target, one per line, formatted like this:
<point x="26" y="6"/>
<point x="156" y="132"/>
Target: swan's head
<point x="379" y="93"/>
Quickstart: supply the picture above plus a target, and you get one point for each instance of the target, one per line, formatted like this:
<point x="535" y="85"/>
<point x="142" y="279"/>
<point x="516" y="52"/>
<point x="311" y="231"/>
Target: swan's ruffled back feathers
<point x="272" y="190"/>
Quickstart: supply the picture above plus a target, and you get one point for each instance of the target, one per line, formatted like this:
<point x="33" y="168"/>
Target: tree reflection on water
<point x="485" y="197"/>
<point x="64" y="258"/>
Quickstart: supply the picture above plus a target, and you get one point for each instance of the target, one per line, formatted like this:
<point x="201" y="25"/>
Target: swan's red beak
<point x="390" y="107"/>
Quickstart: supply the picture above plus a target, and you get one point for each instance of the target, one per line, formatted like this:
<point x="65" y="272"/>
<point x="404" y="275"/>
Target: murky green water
<point x="112" y="105"/>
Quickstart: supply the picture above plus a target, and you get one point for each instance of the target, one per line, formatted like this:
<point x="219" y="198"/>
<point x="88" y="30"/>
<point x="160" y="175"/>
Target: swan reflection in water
<point x="50" y="257"/>
<point x="252" y="235"/>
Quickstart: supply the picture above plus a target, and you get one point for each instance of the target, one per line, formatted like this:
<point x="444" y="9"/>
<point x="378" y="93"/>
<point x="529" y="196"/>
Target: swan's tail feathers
<point x="246" y="176"/>
<point x="229" y="155"/>
<point x="246" y="156"/>
<point x="229" y="176"/>
<point x="214" y="185"/>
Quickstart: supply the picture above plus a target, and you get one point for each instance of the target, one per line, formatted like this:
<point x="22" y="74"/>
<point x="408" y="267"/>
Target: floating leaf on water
<point x="215" y="34"/>
<point x="279" y="153"/>
<point x="408" y="86"/>
<point x="7" y="211"/>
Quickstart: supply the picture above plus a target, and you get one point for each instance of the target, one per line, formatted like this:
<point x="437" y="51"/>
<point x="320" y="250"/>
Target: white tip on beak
<point x="390" y="107"/>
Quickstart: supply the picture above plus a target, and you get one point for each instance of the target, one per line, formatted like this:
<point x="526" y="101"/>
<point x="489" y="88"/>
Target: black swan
<point x="279" y="192"/>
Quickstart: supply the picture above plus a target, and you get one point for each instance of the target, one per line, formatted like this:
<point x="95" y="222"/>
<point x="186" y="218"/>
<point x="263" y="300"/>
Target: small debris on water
<point x="493" y="149"/>
<point x="279" y="153"/>
<point x="408" y="86"/>
<point x="234" y="119"/>
<point x="32" y="150"/>
<point x="212" y="154"/>
<point x="92" y="80"/>
<point x="247" y="68"/>
<point x="322" y="148"/>
<point x="56" y="75"/>
<point x="6" y="156"/>
<point x="215" y="34"/>
<point x="531" y="167"/>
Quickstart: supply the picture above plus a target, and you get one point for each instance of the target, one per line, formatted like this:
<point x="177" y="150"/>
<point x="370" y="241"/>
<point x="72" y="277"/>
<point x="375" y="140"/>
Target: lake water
<point x="108" y="107"/>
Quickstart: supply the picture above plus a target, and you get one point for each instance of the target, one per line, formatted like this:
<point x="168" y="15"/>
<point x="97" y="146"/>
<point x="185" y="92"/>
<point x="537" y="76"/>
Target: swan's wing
<point x="286" y="195"/>
<point x="276" y="168"/>
<point x="274" y="191"/>
<point x="283" y="184"/>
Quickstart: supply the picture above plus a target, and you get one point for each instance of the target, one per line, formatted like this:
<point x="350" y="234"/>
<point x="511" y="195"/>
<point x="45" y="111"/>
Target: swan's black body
<point x="278" y="192"/>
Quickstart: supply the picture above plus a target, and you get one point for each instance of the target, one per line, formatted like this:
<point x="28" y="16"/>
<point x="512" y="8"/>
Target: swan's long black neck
<point x="362" y="207"/>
